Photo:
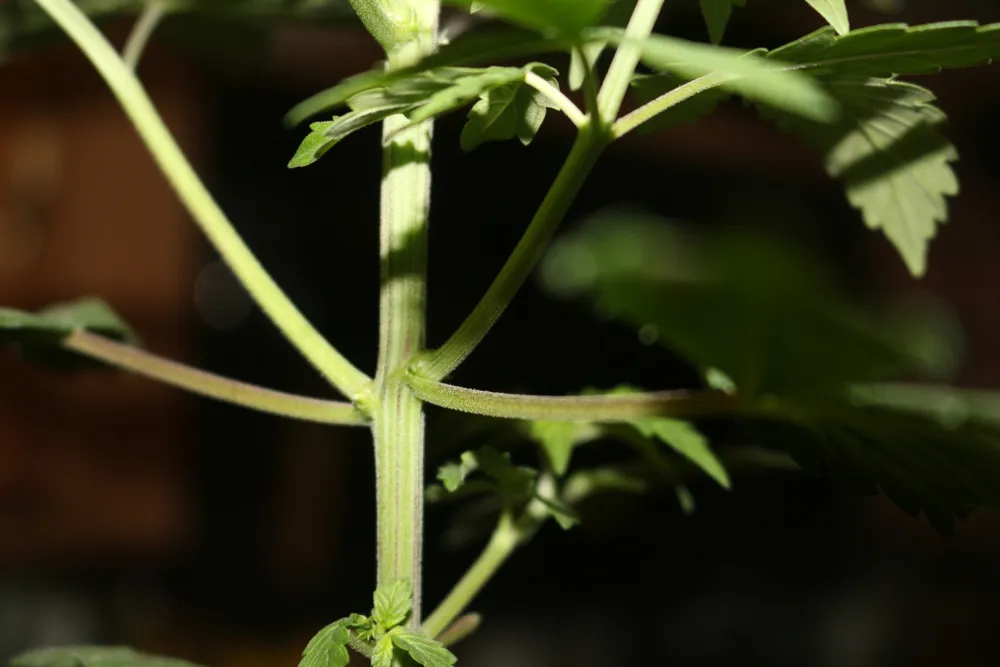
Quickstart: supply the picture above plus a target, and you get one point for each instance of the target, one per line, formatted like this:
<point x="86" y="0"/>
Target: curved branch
<point x="596" y="408"/>
<point x="213" y="386"/>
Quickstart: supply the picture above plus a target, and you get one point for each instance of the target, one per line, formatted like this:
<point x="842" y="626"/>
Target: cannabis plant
<point x="780" y="351"/>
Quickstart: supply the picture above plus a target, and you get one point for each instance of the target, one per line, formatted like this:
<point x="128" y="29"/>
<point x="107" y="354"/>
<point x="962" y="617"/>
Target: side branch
<point x="199" y="202"/>
<point x="213" y="386"/>
<point x="596" y="408"/>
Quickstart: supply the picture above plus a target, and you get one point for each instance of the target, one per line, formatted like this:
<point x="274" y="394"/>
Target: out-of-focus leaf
<point x="93" y="656"/>
<point x="763" y="313"/>
<point x="565" y="17"/>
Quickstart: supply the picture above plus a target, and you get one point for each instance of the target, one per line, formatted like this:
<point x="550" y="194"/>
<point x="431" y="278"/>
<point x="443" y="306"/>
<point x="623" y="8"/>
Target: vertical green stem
<point x="609" y="100"/>
<point x="398" y="425"/>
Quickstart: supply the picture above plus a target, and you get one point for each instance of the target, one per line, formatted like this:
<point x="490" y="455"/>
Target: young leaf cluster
<point x="379" y="636"/>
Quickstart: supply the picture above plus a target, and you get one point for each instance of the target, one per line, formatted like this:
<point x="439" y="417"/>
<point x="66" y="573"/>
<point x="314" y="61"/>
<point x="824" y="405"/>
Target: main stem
<point x="398" y="425"/>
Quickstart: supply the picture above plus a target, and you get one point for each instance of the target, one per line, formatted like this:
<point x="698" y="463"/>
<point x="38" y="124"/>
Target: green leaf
<point x="558" y="439"/>
<point x="93" y="656"/>
<point x="382" y="653"/>
<point x="835" y="13"/>
<point x="392" y="603"/>
<point x="452" y="475"/>
<point x="516" y="482"/>
<point x="36" y="336"/>
<point x="891" y="49"/>
<point x="717" y="13"/>
<point x="514" y="110"/>
<point x="751" y="76"/>
<point x="888" y="150"/>
<point x="361" y="626"/>
<point x="328" y="648"/>
<point x="566" y="17"/>
<point x="474" y="84"/>
<point x="424" y="650"/>
<point x="325" y="135"/>
<point x="585" y="483"/>
<point x="764" y="313"/>
<point x="687" y="441"/>
<point x="472" y="48"/>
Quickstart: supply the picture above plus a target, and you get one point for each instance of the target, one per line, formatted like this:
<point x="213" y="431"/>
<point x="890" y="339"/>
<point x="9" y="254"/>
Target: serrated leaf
<point x="894" y="162"/>
<point x="515" y="110"/>
<point x="687" y="441"/>
<point x="382" y="653"/>
<point x="328" y="648"/>
<point x="392" y="603"/>
<point x="36" y="336"/>
<point x="747" y="74"/>
<point x="717" y="13"/>
<point x="558" y="439"/>
<point x="895" y="49"/>
<point x="93" y="656"/>
<point x="361" y="626"/>
<point x="834" y="12"/>
<point x="763" y="312"/>
<point x="325" y="135"/>
<point x="424" y="650"/>
<point x="566" y="17"/>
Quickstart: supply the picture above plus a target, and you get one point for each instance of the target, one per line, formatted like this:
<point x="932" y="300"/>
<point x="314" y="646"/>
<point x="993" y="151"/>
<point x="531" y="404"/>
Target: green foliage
<point x="392" y="603"/>
<point x="383" y="651"/>
<point x="328" y="648"/>
<point x="895" y="49"/>
<point x="94" y="656"/>
<point x="37" y="336"/>
<point x="746" y="74"/>
<point x="558" y="439"/>
<point x="421" y="648"/>
<point x="687" y="441"/>
<point x="509" y="111"/>
<point x="835" y="13"/>
<point x="566" y="17"/>
<point x="717" y="13"/>
<point x="507" y="107"/>
<point x="888" y="150"/>
<point x="764" y="314"/>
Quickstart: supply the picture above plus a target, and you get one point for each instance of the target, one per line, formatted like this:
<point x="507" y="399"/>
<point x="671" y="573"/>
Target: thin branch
<point x="626" y="59"/>
<point x="213" y="386"/>
<point x="589" y="81"/>
<point x="142" y="30"/>
<point x="596" y="409"/>
<point x="557" y="97"/>
<point x="439" y="363"/>
<point x="202" y="207"/>
<point x="671" y="98"/>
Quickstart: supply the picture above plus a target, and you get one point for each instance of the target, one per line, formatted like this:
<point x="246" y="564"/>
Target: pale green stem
<point x="199" y="203"/>
<point x="142" y="31"/>
<point x="686" y="91"/>
<point x="616" y="83"/>
<point x="558" y="98"/>
<point x="502" y="544"/>
<point x="589" y="80"/>
<point x="399" y="419"/>
<point x="587" y="148"/>
<point x="594" y="408"/>
<point x="213" y="386"/>
<point x="509" y="534"/>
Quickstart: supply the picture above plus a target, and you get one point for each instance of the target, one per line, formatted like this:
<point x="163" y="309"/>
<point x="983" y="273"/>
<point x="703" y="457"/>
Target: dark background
<point x="137" y="515"/>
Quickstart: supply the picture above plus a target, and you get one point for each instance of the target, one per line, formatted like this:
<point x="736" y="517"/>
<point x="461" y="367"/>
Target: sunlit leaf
<point x="382" y="653"/>
<point x="392" y="603"/>
<point x="424" y="650"/>
<point x="514" y="110"/>
<point x="328" y="648"/>
<point x="835" y="13"/>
